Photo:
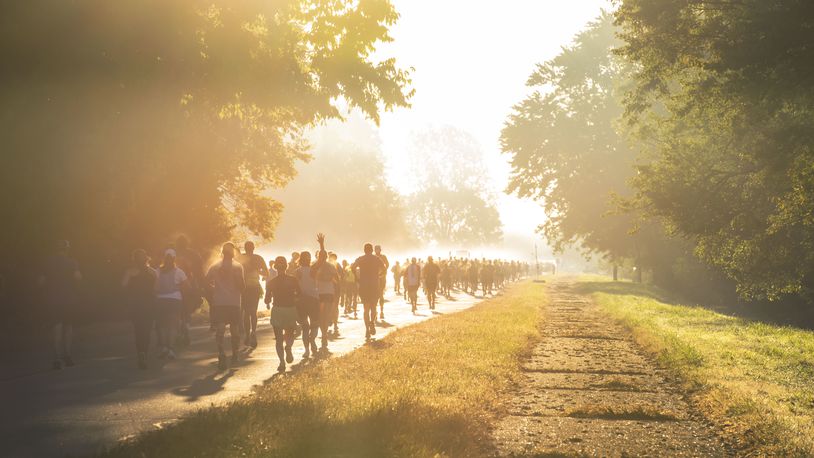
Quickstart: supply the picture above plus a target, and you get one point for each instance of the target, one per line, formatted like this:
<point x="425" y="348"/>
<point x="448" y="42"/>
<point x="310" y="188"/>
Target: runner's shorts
<point x="226" y="314"/>
<point x="284" y="317"/>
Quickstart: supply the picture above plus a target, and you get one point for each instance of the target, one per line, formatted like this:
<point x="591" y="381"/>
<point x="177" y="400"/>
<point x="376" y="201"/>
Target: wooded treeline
<point x="126" y="123"/>
<point x="678" y="137"/>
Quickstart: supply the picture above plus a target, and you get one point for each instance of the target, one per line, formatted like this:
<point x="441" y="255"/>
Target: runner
<point x="60" y="282"/>
<point x="404" y="278"/>
<point x="254" y="267"/>
<point x="412" y="281"/>
<point x="170" y="287"/>
<point x="349" y="290"/>
<point x="446" y="279"/>
<point x="326" y="276"/>
<point x="487" y="277"/>
<point x="225" y="283"/>
<point x="294" y="264"/>
<point x="285" y="291"/>
<point x="333" y="259"/>
<point x="139" y="286"/>
<point x="308" y="307"/>
<point x="382" y="281"/>
<point x="396" y="277"/>
<point x="191" y="263"/>
<point x="431" y="274"/>
<point x="368" y="269"/>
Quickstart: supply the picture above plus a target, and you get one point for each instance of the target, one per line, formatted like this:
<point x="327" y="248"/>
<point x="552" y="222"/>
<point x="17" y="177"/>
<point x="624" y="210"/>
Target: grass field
<point x="426" y="390"/>
<point x="753" y="379"/>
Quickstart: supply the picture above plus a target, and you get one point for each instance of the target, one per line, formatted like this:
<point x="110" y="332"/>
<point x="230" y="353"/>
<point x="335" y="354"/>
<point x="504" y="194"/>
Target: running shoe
<point x="253" y="340"/>
<point x="281" y="367"/>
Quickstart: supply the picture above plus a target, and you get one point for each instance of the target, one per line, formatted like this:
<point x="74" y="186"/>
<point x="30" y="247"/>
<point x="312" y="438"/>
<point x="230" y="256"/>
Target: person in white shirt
<point x="169" y="287"/>
<point x="225" y="284"/>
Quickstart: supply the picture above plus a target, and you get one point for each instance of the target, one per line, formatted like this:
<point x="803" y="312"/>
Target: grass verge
<point x="424" y="390"/>
<point x="752" y="379"/>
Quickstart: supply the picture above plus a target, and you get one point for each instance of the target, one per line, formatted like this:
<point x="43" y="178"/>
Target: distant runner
<point x="431" y="274"/>
<point x="327" y="277"/>
<point x="225" y="284"/>
<point x="382" y="282"/>
<point x="139" y="286"/>
<point x="191" y="263"/>
<point x="285" y="291"/>
<point x="412" y="281"/>
<point x="368" y="269"/>
<point x="308" y="307"/>
<point x="254" y="267"/>
<point x="170" y="287"/>
<point x="396" y="277"/>
<point x="60" y="282"/>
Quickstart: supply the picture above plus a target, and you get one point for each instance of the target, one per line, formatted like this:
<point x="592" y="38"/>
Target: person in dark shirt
<point x="368" y="269"/>
<point x="382" y="281"/>
<point x="192" y="264"/>
<point x="431" y="274"/>
<point x="139" y="288"/>
<point x="60" y="282"/>
<point x="284" y="291"/>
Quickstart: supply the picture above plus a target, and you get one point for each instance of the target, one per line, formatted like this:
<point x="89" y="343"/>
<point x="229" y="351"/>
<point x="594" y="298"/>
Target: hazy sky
<point x="471" y="60"/>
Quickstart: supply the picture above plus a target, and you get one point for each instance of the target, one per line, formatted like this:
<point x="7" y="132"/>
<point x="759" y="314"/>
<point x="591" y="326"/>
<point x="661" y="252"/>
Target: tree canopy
<point x="566" y="151"/>
<point x="722" y="106"/>
<point x="130" y="121"/>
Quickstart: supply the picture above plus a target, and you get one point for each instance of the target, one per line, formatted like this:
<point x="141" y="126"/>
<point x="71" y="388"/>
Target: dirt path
<point x="589" y="390"/>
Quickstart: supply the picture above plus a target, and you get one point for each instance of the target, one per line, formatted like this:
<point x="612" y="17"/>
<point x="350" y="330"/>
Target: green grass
<point x="426" y="390"/>
<point x="754" y="380"/>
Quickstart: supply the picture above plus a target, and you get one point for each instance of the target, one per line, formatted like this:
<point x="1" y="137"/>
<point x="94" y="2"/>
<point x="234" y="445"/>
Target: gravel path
<point x="589" y="390"/>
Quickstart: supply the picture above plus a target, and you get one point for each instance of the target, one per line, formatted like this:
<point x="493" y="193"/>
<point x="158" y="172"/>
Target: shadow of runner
<point x="206" y="386"/>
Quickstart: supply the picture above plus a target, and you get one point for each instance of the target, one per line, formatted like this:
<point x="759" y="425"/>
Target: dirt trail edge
<point x="589" y="390"/>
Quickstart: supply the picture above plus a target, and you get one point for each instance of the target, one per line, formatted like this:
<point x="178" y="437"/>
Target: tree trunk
<point x="615" y="272"/>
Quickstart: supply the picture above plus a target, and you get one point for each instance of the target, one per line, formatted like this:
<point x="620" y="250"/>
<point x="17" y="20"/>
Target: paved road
<point x="104" y="399"/>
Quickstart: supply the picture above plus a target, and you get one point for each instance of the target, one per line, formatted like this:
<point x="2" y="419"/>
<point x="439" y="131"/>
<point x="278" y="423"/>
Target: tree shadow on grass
<point x="622" y="288"/>
<point x="309" y="428"/>
<point x="781" y="313"/>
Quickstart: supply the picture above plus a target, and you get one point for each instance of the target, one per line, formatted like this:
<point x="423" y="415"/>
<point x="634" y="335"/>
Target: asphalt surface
<point x="104" y="399"/>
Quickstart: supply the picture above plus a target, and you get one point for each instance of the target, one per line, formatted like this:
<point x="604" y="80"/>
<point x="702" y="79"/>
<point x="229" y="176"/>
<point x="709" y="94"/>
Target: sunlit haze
<point x="471" y="61"/>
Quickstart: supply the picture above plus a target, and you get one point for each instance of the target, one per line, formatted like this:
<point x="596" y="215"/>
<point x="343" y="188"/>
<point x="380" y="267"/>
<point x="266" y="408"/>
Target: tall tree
<point x="343" y="192"/>
<point x="128" y="121"/>
<point x="722" y="105"/>
<point x="567" y="152"/>
<point x="451" y="204"/>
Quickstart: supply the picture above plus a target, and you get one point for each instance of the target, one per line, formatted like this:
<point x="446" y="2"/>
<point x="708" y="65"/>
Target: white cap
<point x="169" y="251"/>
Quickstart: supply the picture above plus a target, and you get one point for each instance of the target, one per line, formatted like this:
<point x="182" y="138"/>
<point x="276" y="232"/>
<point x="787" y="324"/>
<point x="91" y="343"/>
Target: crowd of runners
<point x="305" y="295"/>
